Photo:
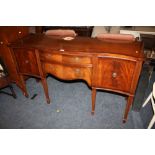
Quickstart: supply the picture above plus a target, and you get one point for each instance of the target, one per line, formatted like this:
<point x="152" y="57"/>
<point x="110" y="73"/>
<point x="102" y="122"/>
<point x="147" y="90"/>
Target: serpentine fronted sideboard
<point x="107" y="65"/>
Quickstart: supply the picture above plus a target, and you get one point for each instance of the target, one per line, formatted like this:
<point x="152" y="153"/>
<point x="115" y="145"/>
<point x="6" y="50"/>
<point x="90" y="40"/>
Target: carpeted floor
<point x="70" y="108"/>
<point x="147" y="113"/>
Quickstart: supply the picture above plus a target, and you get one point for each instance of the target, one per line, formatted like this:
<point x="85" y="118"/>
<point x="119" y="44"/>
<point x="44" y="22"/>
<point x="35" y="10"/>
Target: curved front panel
<point x="68" y="73"/>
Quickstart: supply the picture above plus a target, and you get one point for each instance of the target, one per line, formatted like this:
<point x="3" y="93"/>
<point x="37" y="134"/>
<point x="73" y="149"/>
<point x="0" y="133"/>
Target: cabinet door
<point x="26" y="61"/>
<point x="114" y="74"/>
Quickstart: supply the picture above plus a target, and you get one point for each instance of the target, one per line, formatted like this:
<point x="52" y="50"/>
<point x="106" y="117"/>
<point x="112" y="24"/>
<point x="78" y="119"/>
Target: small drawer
<point x="51" y="57"/>
<point x="76" y="59"/>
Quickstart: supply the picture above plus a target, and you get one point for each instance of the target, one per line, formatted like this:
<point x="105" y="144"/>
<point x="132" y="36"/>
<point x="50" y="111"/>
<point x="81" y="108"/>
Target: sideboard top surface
<point x="80" y="44"/>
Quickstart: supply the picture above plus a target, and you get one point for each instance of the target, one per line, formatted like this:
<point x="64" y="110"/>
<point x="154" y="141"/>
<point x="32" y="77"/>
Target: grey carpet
<point x="146" y="113"/>
<point x="70" y="108"/>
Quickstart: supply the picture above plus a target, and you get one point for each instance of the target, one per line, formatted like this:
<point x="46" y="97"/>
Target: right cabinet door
<point x="114" y="74"/>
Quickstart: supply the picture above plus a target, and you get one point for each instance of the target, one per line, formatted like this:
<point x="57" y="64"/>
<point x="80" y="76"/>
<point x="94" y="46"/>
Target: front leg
<point x="128" y="106"/>
<point x="44" y="83"/>
<point x="21" y="84"/>
<point x="93" y="100"/>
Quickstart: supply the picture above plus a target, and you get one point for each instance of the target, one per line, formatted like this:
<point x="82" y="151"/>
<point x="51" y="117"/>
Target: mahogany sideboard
<point x="113" y="66"/>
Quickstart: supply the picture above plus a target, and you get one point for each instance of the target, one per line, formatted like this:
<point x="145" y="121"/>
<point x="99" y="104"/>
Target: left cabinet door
<point x="26" y="61"/>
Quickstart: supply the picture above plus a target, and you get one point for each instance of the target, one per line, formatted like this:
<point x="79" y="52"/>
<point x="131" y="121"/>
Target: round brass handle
<point x="19" y="32"/>
<point x="114" y="75"/>
<point x="61" y="50"/>
<point x="26" y="61"/>
<point x="1" y="42"/>
<point x="77" y="70"/>
<point x="77" y="59"/>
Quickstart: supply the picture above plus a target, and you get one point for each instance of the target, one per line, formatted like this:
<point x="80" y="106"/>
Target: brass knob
<point x="77" y="70"/>
<point x="1" y="42"/>
<point x="61" y="50"/>
<point x="114" y="75"/>
<point x="137" y="52"/>
<point x="26" y="61"/>
<point x="77" y="59"/>
<point x="19" y="32"/>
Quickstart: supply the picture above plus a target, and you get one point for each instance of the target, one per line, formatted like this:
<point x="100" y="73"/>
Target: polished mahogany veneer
<point x="109" y="65"/>
<point x="10" y="34"/>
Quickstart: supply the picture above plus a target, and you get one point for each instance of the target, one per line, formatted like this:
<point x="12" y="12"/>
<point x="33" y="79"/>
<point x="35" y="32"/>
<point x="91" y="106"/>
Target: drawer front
<point x="75" y="59"/>
<point x="51" y="57"/>
<point x="26" y="61"/>
<point x="68" y="73"/>
<point x="66" y="59"/>
<point x="115" y="74"/>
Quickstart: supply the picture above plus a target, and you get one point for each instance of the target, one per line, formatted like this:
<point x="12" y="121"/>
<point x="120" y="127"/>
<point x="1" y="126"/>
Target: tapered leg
<point x="93" y="100"/>
<point x="23" y="86"/>
<point x="12" y="91"/>
<point x="44" y="83"/>
<point x="128" y="106"/>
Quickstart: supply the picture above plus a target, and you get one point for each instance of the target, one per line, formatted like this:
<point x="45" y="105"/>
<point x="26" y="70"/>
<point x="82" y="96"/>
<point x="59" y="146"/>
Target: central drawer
<point x="51" y="57"/>
<point x="67" y="72"/>
<point x="66" y="58"/>
<point x="75" y="59"/>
